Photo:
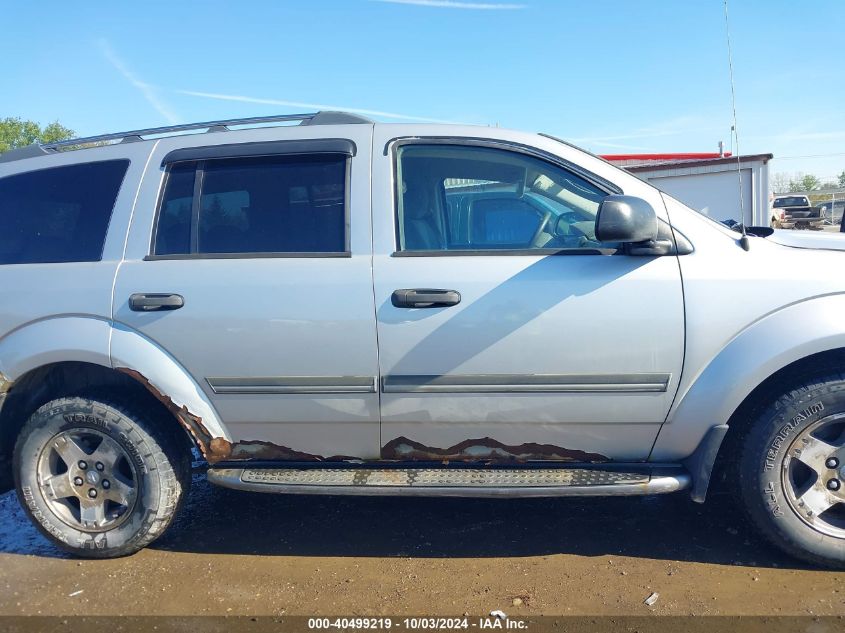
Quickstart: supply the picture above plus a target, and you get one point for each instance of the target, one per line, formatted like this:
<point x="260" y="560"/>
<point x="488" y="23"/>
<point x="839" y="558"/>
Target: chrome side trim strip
<point x="390" y="484"/>
<point x="469" y="383"/>
<point x="292" y="384"/>
<point x="527" y="383"/>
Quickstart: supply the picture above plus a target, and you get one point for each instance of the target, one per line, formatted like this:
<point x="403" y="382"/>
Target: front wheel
<point x="97" y="479"/>
<point x="792" y="472"/>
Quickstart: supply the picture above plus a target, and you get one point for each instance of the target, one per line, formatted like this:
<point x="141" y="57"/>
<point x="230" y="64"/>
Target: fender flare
<point x="139" y="357"/>
<point x="95" y="340"/>
<point x="760" y="350"/>
<point x="82" y="338"/>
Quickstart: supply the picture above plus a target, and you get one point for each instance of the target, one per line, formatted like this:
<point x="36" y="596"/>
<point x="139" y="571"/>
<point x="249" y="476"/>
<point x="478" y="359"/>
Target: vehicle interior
<point x="481" y="199"/>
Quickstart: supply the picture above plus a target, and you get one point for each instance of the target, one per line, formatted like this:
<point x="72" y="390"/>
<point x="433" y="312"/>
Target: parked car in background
<point x="796" y="212"/>
<point x="355" y="308"/>
<point x="831" y="210"/>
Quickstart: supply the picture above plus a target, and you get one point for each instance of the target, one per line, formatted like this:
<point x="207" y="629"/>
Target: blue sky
<point x="612" y="76"/>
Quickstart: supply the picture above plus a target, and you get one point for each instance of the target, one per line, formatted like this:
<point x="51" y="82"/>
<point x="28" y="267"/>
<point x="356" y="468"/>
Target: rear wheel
<point x="98" y="479"/>
<point x="792" y="471"/>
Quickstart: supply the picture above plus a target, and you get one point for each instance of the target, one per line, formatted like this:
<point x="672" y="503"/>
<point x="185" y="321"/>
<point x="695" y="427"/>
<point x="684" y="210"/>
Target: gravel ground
<point x="245" y="553"/>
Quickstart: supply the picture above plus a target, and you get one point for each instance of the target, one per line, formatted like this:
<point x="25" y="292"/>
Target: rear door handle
<point x="425" y="298"/>
<point x="152" y="302"/>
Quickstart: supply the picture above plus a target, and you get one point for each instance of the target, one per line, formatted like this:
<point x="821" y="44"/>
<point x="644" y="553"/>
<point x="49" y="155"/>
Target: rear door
<point x="506" y="331"/>
<point x="265" y="235"/>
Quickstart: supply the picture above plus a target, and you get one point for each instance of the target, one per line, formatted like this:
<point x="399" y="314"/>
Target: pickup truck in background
<point x="796" y="212"/>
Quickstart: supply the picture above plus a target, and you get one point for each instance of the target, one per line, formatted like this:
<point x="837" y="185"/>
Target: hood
<point x="809" y="239"/>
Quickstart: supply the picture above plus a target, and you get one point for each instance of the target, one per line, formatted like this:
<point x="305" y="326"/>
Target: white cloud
<point x="148" y="91"/>
<point x="300" y="104"/>
<point x="451" y="4"/>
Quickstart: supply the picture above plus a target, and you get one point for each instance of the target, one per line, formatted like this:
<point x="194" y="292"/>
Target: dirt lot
<point x="244" y="553"/>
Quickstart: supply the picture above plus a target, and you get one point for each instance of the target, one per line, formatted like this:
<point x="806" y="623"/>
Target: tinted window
<point x="794" y="201"/>
<point x="278" y="204"/>
<point x="174" y="220"/>
<point x="475" y="198"/>
<point x="60" y="214"/>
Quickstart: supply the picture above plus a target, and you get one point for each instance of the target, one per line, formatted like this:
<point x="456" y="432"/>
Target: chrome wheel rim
<point x="88" y="480"/>
<point x="813" y="475"/>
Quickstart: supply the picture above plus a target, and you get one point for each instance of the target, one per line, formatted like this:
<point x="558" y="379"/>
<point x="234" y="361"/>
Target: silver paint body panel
<point x="715" y="323"/>
<point x="526" y="315"/>
<point x="281" y="317"/>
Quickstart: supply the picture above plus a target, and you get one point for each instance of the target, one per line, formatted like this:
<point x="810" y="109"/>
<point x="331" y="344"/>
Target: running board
<point x="455" y="482"/>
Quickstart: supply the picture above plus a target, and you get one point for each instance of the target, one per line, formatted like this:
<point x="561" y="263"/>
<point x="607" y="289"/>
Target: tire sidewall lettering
<point x="800" y="415"/>
<point x="40" y="515"/>
<point x="784" y="435"/>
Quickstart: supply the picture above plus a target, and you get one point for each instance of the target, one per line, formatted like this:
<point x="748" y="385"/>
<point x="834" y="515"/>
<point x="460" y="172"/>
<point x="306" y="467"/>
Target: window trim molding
<point x="394" y="144"/>
<point x="513" y="252"/>
<point x="278" y="255"/>
<point x="196" y="207"/>
<point x="260" y="149"/>
<point x="196" y="202"/>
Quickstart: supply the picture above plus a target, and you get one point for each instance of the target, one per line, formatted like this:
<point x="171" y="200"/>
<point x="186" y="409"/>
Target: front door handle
<point x="152" y="302"/>
<point x="425" y="298"/>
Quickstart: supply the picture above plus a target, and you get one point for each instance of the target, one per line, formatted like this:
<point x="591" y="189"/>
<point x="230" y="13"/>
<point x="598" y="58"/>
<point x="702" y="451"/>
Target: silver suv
<point x="320" y="304"/>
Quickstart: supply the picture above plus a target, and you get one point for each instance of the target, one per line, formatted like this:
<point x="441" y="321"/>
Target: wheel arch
<point x="72" y="378"/>
<point x="711" y="419"/>
<point x="170" y="383"/>
<point x="77" y="354"/>
<point x="777" y="345"/>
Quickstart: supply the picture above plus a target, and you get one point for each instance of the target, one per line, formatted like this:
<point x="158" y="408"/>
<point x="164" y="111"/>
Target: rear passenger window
<point x="59" y="214"/>
<point x="266" y="205"/>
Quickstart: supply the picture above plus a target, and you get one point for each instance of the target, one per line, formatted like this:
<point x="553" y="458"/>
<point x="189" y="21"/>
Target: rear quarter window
<point x="60" y="214"/>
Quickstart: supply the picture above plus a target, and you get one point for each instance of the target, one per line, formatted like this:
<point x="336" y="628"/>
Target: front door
<point x="506" y="330"/>
<point x="267" y="240"/>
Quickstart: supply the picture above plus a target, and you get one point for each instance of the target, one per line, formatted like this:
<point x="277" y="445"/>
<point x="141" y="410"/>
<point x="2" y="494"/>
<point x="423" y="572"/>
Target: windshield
<point x="791" y="201"/>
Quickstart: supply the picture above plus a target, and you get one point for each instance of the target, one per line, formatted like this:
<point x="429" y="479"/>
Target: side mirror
<point x="625" y="219"/>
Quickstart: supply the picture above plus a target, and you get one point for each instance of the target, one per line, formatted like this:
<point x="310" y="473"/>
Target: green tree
<point x="841" y="178"/>
<point x="809" y="182"/>
<point x="805" y="182"/>
<point x="16" y="132"/>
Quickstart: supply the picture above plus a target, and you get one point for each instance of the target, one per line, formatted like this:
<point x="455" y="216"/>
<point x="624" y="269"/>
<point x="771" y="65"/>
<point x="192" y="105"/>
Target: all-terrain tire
<point x="764" y="458"/>
<point x="158" y="467"/>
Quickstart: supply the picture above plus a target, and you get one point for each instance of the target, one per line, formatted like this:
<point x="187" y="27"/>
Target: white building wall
<point x="714" y="189"/>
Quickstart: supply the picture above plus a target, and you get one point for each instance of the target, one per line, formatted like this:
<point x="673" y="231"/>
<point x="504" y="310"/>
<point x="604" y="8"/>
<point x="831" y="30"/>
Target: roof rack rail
<point x="311" y="118"/>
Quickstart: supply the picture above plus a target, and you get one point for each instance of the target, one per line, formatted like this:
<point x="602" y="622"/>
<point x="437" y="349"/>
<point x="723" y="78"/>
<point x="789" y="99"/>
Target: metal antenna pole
<point x="744" y="240"/>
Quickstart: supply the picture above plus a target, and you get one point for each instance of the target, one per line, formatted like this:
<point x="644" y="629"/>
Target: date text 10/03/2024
<point x="497" y="621"/>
